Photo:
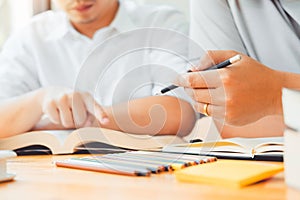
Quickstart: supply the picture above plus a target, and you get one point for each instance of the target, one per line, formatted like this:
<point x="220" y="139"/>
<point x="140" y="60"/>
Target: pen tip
<point x="158" y="94"/>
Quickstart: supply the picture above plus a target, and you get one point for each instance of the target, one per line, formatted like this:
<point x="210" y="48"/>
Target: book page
<point x="61" y="135"/>
<point x="119" y="139"/>
<point x="234" y="146"/>
<point x="222" y="146"/>
<point x="261" y="145"/>
<point x="43" y="138"/>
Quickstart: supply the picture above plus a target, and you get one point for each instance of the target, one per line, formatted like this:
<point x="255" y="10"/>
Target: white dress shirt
<point x="266" y="30"/>
<point x="50" y="52"/>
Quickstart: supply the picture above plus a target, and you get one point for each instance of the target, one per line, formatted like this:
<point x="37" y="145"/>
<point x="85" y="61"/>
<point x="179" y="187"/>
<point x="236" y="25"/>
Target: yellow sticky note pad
<point x="230" y="173"/>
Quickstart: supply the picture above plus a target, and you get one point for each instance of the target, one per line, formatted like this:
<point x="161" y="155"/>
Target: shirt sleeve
<point x="213" y="27"/>
<point x="18" y="74"/>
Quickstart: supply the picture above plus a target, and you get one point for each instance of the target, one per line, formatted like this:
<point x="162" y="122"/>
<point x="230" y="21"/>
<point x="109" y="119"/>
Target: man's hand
<point x="239" y="94"/>
<point x="71" y="109"/>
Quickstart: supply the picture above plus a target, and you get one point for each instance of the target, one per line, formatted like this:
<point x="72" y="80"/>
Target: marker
<point x="218" y="66"/>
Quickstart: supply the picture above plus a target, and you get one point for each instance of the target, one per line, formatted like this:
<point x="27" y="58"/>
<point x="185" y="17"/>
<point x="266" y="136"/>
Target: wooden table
<point x="38" y="178"/>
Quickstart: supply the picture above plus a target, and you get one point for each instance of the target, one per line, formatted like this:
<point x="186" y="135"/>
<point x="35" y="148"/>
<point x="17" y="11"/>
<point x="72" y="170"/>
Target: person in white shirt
<point x="246" y="96"/>
<point x="39" y="66"/>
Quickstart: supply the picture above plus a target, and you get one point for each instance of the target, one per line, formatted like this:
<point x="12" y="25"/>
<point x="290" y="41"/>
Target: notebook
<point x="229" y="173"/>
<point x="270" y="148"/>
<point x="91" y="139"/>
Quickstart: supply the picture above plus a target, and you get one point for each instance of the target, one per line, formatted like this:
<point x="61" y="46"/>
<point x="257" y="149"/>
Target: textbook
<point x="229" y="173"/>
<point x="270" y="148"/>
<point x="72" y="141"/>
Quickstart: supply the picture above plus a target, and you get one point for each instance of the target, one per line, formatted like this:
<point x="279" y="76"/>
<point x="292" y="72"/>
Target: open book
<point x="237" y="148"/>
<point x="67" y="142"/>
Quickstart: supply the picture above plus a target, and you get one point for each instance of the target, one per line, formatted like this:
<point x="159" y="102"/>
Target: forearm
<point x="152" y="115"/>
<point x="20" y="114"/>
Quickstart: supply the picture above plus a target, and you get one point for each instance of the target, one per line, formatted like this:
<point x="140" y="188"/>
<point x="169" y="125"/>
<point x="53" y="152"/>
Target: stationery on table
<point x="4" y="176"/>
<point x="229" y="173"/>
<point x="87" y="140"/>
<point x="135" y="163"/>
<point x="269" y="148"/>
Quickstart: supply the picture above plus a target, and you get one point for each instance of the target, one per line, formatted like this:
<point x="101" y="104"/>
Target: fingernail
<point x="104" y="120"/>
<point x="55" y="122"/>
<point x="194" y="69"/>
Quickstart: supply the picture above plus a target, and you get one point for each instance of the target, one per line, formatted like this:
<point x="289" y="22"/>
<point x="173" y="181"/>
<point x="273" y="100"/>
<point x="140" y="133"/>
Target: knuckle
<point x="232" y="52"/>
<point x="63" y="98"/>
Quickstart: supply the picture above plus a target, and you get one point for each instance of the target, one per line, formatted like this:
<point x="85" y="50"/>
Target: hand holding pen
<point x="205" y="84"/>
<point x="237" y="95"/>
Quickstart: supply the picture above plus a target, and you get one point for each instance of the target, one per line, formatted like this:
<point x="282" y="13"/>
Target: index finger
<point x="95" y="109"/>
<point x="213" y="57"/>
<point x="199" y="80"/>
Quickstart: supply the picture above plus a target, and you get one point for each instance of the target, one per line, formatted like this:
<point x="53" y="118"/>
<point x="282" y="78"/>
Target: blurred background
<point x="15" y="13"/>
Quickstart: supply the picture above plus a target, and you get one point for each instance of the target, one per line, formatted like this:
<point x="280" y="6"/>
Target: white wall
<point x="21" y="12"/>
<point x="13" y="15"/>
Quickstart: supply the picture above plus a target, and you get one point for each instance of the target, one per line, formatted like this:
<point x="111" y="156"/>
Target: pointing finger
<point x="95" y="109"/>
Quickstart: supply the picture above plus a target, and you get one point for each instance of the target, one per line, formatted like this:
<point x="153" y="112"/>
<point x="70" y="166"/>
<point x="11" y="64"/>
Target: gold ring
<point x="205" y="109"/>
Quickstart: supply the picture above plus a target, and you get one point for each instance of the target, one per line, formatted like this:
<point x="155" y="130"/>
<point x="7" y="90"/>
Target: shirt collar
<point x="122" y="22"/>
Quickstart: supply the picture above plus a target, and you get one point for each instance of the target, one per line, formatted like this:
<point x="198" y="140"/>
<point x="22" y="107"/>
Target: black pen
<point x="218" y="66"/>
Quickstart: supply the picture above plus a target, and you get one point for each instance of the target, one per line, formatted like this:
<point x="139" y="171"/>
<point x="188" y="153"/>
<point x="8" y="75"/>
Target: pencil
<point x="127" y="163"/>
<point x="170" y="158"/>
<point x="102" y="167"/>
<point x="166" y="162"/>
<point x="194" y="159"/>
<point x="159" y="165"/>
<point x="218" y="66"/>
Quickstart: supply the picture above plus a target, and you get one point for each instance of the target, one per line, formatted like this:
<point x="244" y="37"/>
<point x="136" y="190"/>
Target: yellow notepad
<point x="230" y="173"/>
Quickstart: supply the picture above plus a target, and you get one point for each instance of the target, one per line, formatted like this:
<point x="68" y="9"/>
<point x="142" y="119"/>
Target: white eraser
<point x="4" y="155"/>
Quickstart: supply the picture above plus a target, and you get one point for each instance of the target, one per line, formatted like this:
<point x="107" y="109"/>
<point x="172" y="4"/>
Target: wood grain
<point x="38" y="178"/>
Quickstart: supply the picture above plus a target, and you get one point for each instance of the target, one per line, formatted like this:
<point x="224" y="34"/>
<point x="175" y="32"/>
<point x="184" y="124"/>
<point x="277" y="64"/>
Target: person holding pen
<point x="40" y="63"/>
<point x="244" y="99"/>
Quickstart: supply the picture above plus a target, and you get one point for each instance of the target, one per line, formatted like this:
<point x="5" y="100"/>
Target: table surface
<point x="38" y="178"/>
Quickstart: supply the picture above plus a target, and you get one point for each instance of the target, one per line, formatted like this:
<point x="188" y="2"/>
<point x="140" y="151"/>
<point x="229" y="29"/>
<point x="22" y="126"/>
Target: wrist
<point x="40" y="96"/>
<point x="281" y="79"/>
